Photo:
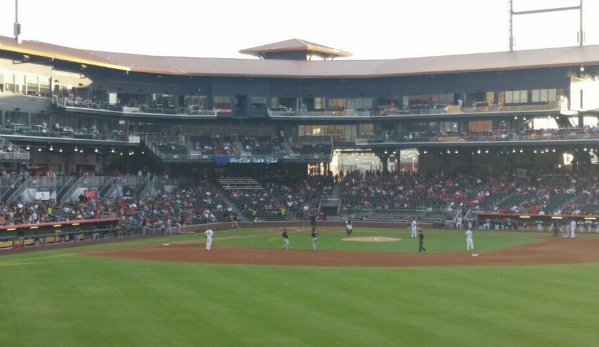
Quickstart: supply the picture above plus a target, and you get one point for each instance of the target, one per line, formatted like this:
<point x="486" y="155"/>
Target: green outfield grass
<point x="60" y="298"/>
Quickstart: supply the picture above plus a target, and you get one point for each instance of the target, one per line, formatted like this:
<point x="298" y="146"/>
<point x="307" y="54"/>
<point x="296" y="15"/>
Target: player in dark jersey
<point x="421" y="242"/>
<point x="285" y="239"/>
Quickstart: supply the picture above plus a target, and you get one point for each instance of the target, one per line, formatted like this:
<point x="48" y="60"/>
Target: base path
<point x="550" y="251"/>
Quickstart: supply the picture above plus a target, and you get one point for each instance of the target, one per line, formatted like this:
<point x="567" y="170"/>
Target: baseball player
<point x="285" y="239"/>
<point x="348" y="227"/>
<point x="458" y="224"/>
<point x="572" y="228"/>
<point x="539" y="225"/>
<point x="209" y="234"/>
<point x="414" y="228"/>
<point x="421" y="242"/>
<point x="314" y="237"/>
<point x="469" y="241"/>
<point x="234" y="223"/>
<point x="555" y="227"/>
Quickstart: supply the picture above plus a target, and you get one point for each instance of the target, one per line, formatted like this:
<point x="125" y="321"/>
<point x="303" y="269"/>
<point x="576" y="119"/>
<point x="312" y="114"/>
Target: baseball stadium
<point x="144" y="198"/>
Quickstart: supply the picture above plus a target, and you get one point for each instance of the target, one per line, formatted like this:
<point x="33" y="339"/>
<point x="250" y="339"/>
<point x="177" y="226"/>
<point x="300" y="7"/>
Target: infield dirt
<point x="549" y="251"/>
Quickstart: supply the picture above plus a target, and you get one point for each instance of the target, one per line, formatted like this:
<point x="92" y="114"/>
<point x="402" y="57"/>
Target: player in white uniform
<point x="572" y="228"/>
<point x="348" y="227"/>
<point x="414" y="228"/>
<point x="539" y="225"/>
<point x="469" y="241"/>
<point x="209" y="234"/>
<point x="458" y="224"/>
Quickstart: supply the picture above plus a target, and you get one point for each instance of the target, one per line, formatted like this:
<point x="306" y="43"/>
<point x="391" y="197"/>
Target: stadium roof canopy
<point x="285" y="68"/>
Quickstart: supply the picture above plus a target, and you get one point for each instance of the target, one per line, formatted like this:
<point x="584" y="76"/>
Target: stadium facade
<point x="73" y="110"/>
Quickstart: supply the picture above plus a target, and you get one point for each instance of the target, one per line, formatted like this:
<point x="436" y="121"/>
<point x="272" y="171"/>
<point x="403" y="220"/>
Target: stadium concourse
<point x="358" y="194"/>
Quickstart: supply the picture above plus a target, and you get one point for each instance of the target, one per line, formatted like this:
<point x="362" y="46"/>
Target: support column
<point x="65" y="161"/>
<point x="384" y="155"/>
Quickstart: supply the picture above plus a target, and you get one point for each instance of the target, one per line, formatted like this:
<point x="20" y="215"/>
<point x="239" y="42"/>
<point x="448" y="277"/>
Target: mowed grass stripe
<point x="76" y="300"/>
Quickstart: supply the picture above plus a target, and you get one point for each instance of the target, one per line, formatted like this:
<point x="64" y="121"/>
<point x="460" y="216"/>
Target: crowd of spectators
<point x="532" y="194"/>
<point x="263" y="144"/>
<point x="283" y="198"/>
<point x="214" y="144"/>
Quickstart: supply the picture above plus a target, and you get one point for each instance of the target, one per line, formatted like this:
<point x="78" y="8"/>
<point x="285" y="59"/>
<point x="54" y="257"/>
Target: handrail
<point x="66" y="184"/>
<point x="67" y="195"/>
<point x="14" y="185"/>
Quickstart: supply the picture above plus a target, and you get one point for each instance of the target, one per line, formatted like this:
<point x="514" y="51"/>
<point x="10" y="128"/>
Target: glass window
<point x="274" y="102"/>
<point x="442" y="99"/>
<point x="319" y="103"/>
<point x="524" y="96"/>
<point x="535" y="95"/>
<point x="44" y="83"/>
<point x="448" y="127"/>
<point x="366" y="129"/>
<point x="222" y="102"/>
<point x="421" y="99"/>
<point x="64" y="120"/>
<point x="19" y="83"/>
<point x="9" y="83"/>
<point x="32" y="85"/>
<point x="362" y="104"/>
<point x="1" y="82"/>
<point x="337" y="104"/>
<point x="508" y="97"/>
<point x="480" y="125"/>
<point x="516" y="97"/>
<point x="544" y="95"/>
<point x="17" y="118"/>
<point x="258" y="102"/>
<point x="162" y="101"/>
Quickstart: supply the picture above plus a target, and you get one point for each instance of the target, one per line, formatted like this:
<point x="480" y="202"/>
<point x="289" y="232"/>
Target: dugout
<point x="514" y="221"/>
<point x="51" y="233"/>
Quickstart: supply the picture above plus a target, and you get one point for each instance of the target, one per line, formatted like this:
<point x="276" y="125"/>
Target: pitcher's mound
<point x="371" y="239"/>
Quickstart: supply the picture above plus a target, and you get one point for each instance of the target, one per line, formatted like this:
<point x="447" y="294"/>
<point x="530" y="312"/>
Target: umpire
<point x="421" y="242"/>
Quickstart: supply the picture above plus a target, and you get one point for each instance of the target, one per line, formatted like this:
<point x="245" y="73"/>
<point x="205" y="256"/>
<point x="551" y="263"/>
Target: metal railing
<point x="138" y="109"/>
<point x="418" y="109"/>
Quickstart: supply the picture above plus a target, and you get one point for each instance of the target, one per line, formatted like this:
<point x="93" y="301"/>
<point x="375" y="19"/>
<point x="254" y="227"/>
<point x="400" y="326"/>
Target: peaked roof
<point x="294" y="45"/>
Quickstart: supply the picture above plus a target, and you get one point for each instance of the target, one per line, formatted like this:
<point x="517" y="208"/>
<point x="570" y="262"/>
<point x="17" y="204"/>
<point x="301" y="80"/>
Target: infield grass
<point x="60" y="298"/>
<point x="434" y="240"/>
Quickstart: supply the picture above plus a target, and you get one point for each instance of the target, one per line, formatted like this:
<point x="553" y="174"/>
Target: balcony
<point x="418" y="109"/>
<point x="89" y="106"/>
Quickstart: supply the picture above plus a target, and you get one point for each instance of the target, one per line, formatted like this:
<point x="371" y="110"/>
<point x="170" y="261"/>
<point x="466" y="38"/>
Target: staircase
<point x="14" y="184"/>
